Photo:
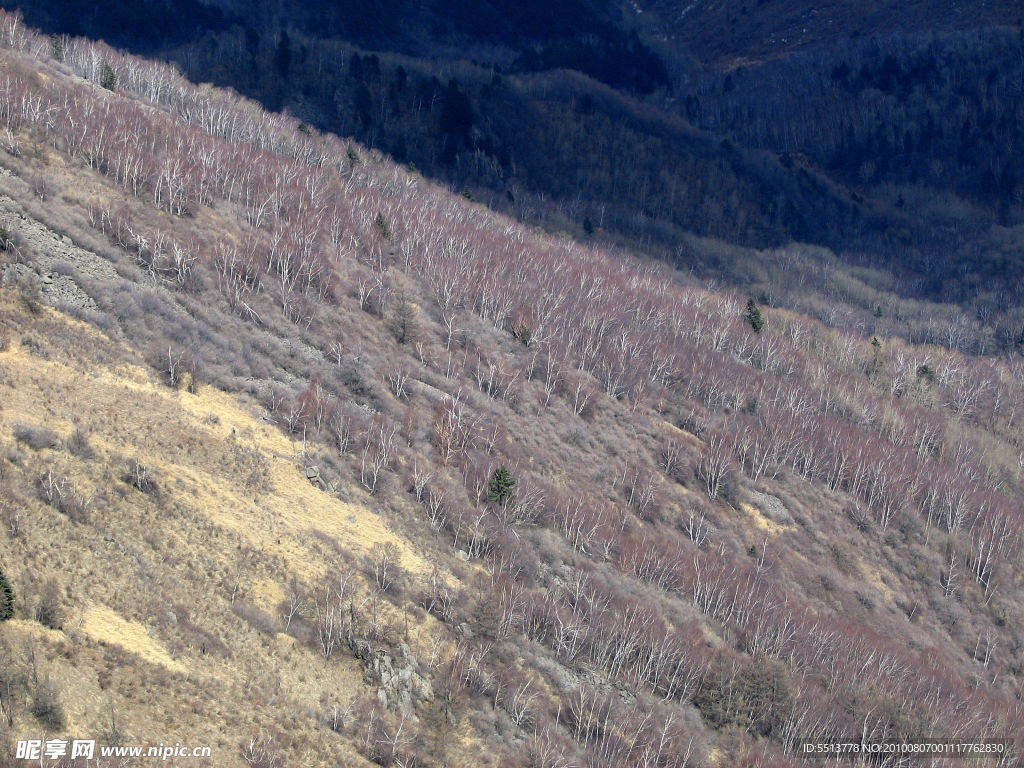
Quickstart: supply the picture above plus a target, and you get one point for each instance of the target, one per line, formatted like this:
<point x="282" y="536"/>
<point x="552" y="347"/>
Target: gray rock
<point x="43" y="247"/>
<point x="62" y="291"/>
<point x="772" y="507"/>
<point x="400" y="683"/>
<point x="361" y="649"/>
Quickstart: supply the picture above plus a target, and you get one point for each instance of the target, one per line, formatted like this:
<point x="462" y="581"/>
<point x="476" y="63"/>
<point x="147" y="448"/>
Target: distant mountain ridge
<point x="728" y="33"/>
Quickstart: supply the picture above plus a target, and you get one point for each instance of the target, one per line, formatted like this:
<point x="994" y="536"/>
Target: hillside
<point x="310" y="461"/>
<point x="148" y="614"/>
<point x="881" y="131"/>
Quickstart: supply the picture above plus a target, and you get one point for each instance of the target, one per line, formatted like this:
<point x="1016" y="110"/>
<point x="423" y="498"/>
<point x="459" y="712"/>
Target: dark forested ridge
<point x="759" y="30"/>
<point x="885" y="132"/>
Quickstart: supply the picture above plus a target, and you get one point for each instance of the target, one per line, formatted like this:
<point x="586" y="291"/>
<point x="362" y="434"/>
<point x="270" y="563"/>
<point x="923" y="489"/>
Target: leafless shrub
<point x="46" y="704"/>
<point x="397" y="376"/>
<point x="11" y="143"/>
<point x="859" y="516"/>
<point x="672" y="451"/>
<point x="171" y="365"/>
<point x="336" y="717"/>
<point x="36" y="438"/>
<point x="437" y="598"/>
<point x="695" y="420"/>
<point x="42" y="187"/>
<point x="61" y="267"/>
<point x="43" y="603"/>
<point x="548" y="749"/>
<point x="330" y="609"/>
<point x="344" y="422"/>
<point x="12" y="680"/>
<point x="62" y="494"/>
<point x="382" y="741"/>
<point x="140" y="477"/>
<point x="29" y="342"/>
<point x="419" y="477"/>
<point x="694" y="523"/>
<point x="383" y="564"/>
<point x="436" y="504"/>
<point x="261" y="752"/>
<point x="78" y="445"/>
<point x="517" y="694"/>
<point x="715" y="463"/>
<point x="10" y="513"/>
<point x="75" y="507"/>
<point x="378" y="447"/>
<point x="295" y="597"/>
<point x="193" y="365"/>
<point x="11" y="242"/>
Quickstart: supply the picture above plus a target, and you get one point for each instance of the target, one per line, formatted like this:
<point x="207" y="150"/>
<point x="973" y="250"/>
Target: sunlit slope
<point x="146" y="633"/>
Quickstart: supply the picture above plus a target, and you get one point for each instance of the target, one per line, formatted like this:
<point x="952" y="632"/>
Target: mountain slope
<point x="632" y="520"/>
<point x="166" y="616"/>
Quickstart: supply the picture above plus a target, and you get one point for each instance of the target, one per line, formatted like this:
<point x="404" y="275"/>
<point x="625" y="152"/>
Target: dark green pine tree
<point x="108" y="78"/>
<point x="753" y="316"/>
<point x="383" y="226"/>
<point x="501" y="486"/>
<point x="6" y="598"/>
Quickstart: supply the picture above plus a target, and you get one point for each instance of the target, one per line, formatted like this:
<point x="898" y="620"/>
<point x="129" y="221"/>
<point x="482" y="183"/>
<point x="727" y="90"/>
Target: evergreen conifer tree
<point x="753" y="316"/>
<point x="383" y="226"/>
<point x="501" y="486"/>
<point x="109" y="78"/>
<point x="6" y="598"/>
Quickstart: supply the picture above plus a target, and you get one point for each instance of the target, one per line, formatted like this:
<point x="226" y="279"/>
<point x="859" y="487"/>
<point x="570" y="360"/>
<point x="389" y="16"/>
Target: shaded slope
<point x="757" y="30"/>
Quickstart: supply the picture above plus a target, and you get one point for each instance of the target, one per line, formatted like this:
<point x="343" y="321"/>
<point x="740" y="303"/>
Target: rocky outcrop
<point x="55" y="260"/>
<point x="399" y="681"/>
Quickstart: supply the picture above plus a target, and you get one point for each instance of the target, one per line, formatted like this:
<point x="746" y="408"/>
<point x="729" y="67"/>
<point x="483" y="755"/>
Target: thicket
<point x="866" y="147"/>
<point x="620" y="573"/>
<point x="888" y="147"/>
<point x="588" y="150"/>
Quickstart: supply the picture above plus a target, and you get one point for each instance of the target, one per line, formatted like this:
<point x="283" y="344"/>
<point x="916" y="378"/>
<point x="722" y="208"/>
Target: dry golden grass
<point x="148" y="626"/>
<point x="763" y="522"/>
<point x="127" y="408"/>
<point x="104" y="625"/>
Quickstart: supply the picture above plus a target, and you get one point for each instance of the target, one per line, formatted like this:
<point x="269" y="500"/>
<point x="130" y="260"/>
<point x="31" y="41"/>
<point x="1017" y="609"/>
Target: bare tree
<point x="295" y="597"/>
<point x="329" y="607"/>
<point x="383" y="564"/>
<point x="377" y="450"/>
<point x="716" y="460"/>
